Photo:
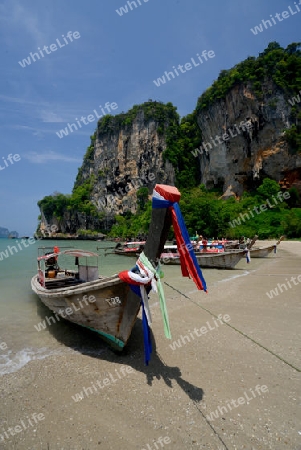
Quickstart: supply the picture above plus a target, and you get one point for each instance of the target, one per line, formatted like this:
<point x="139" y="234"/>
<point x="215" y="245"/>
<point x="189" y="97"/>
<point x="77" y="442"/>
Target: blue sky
<point x="115" y="59"/>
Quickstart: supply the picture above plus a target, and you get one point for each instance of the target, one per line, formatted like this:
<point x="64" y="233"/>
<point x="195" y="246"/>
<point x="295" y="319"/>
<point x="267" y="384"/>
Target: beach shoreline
<point x="186" y="394"/>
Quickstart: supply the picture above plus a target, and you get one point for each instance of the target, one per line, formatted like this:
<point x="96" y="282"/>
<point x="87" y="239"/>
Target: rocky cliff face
<point x="255" y="147"/>
<point x="126" y="158"/>
<point x="125" y="155"/>
<point x="243" y="141"/>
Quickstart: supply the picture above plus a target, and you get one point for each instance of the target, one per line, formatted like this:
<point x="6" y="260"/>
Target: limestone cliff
<point x="126" y="156"/>
<point x="255" y="148"/>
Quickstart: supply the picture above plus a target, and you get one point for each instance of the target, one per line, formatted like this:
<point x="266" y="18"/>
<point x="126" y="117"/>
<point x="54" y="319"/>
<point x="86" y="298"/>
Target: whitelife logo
<point x="274" y="292"/>
<point x="3" y="345"/>
<point x="295" y="100"/>
<point x="124" y="9"/>
<point x="188" y="66"/>
<point x="66" y="312"/>
<point x="161" y="440"/>
<point x="203" y="330"/>
<point x="244" y="126"/>
<point x="79" y="396"/>
<point x="11" y="431"/>
<point x="236" y="403"/>
<point x="11" y="158"/>
<point x="90" y="118"/>
<point x="53" y="48"/>
<point x="259" y="209"/>
<point x="109" y="200"/>
<point x="285" y="15"/>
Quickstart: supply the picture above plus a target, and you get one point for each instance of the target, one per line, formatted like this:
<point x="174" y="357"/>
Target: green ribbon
<point x="157" y="272"/>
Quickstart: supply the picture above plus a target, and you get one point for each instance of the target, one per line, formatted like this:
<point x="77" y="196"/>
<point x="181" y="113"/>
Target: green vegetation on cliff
<point x="211" y="216"/>
<point x="181" y="139"/>
<point x="78" y="202"/>
<point x="283" y="66"/>
<point x="162" y="113"/>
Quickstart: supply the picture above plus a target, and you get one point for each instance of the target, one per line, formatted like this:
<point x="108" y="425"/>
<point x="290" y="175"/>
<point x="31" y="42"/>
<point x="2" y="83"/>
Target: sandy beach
<point x="228" y="379"/>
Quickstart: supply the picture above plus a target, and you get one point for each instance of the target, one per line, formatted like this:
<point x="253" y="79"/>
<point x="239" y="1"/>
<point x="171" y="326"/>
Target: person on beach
<point x="199" y="242"/>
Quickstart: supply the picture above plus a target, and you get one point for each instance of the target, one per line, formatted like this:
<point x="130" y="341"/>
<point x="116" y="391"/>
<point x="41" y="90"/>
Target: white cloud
<point x="50" y="156"/>
<point x="48" y="116"/>
<point x="14" y="15"/>
<point x="22" y="100"/>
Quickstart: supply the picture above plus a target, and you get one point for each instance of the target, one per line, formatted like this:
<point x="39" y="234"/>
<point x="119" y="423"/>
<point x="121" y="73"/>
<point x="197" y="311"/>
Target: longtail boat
<point x="264" y="251"/>
<point x="225" y="260"/>
<point x="128" y="248"/>
<point x="110" y="305"/>
<point x="231" y="245"/>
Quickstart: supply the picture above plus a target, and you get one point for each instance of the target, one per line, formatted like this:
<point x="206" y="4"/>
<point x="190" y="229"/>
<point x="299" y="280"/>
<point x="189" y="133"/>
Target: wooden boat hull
<point x="226" y="260"/>
<point x="231" y="246"/>
<point x="112" y="314"/>
<point x="123" y="253"/>
<point x="262" y="252"/>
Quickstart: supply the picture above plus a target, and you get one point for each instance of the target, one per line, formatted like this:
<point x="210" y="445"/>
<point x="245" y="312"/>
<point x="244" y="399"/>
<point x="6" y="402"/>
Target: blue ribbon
<point x="145" y="327"/>
<point x="146" y="337"/>
<point x="158" y="203"/>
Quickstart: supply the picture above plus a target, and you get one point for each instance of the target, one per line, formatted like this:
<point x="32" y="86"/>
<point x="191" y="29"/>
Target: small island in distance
<point x="5" y="233"/>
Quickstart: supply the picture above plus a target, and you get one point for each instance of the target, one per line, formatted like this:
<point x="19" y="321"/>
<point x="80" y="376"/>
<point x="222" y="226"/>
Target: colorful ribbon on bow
<point x="189" y="264"/>
<point x="144" y="277"/>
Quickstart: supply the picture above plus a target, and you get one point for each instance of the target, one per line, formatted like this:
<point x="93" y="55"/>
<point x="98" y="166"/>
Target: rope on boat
<point x="237" y="330"/>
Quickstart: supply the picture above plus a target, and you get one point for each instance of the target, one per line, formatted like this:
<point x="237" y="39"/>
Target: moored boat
<point x="209" y="247"/>
<point x="170" y="251"/>
<point x="129" y="248"/>
<point x="230" y="245"/>
<point x="264" y="251"/>
<point x="225" y="260"/>
<point x="102" y="304"/>
<point x="110" y="305"/>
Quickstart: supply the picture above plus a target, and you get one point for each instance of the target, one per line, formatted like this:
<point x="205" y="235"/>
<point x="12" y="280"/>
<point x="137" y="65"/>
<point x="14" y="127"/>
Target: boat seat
<point x="57" y="283"/>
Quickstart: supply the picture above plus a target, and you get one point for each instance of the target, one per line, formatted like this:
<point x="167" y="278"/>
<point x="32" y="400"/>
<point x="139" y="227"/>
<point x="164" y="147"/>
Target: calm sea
<point x="21" y="309"/>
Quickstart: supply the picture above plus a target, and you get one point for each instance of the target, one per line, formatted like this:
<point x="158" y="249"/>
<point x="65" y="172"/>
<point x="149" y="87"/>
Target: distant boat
<point x="230" y="245"/>
<point x="263" y="252"/>
<point x="225" y="260"/>
<point x="209" y="247"/>
<point x="128" y="248"/>
<point x="170" y="251"/>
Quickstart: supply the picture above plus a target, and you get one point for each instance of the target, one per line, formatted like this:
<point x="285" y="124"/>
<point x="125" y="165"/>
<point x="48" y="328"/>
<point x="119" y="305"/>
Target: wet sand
<point x="254" y="357"/>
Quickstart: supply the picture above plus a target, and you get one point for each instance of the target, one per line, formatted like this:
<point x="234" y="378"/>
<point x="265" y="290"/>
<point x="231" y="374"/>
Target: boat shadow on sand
<point x="88" y="343"/>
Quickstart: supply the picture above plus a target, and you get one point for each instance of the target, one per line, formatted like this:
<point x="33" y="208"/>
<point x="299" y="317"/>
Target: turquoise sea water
<point x="21" y="309"/>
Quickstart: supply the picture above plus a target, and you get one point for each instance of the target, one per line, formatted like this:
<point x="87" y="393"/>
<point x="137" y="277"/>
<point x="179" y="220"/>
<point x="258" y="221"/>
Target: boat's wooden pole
<point x="280" y="239"/>
<point x="158" y="233"/>
<point x="252" y="241"/>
